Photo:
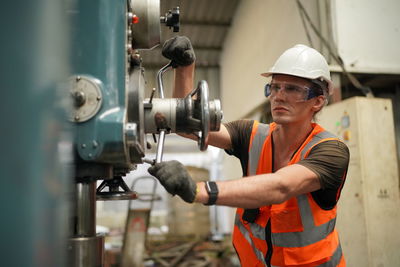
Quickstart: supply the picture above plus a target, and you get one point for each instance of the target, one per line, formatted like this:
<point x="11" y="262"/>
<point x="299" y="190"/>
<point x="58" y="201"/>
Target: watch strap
<point x="212" y="190"/>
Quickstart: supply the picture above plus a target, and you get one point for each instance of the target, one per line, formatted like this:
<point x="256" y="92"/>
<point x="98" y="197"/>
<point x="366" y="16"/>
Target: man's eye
<point x="292" y="88"/>
<point x="275" y="87"/>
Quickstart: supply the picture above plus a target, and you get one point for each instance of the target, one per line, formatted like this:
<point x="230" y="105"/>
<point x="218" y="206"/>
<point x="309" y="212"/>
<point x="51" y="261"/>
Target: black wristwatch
<point x="212" y="190"/>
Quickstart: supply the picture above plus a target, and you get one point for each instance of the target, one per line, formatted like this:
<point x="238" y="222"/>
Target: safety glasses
<point x="291" y="91"/>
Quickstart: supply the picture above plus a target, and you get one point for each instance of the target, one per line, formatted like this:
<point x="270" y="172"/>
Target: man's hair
<point x="320" y="87"/>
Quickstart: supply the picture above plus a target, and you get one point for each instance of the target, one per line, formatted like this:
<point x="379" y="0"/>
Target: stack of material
<point x="186" y="220"/>
<point x="192" y="254"/>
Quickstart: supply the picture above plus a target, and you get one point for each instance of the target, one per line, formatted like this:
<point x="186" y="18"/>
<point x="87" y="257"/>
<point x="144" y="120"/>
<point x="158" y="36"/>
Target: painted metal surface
<point x="34" y="141"/>
<point x="98" y="50"/>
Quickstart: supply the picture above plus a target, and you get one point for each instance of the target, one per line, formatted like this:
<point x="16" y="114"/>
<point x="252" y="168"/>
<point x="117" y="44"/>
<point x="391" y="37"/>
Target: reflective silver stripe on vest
<point x="311" y="233"/>
<point x="316" y="138"/>
<point x="246" y="235"/>
<point x="335" y="259"/>
<point x="256" y="147"/>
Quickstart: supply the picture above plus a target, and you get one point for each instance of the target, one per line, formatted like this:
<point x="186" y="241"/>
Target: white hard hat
<point x="302" y="61"/>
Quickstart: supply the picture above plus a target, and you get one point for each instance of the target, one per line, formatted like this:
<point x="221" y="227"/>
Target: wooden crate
<point x="189" y="220"/>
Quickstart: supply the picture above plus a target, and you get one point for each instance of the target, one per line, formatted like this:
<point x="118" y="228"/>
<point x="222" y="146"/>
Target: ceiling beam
<point x="205" y="23"/>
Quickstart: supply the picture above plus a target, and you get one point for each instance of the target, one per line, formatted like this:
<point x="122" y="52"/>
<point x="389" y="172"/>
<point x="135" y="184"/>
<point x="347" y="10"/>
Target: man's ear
<point x="319" y="103"/>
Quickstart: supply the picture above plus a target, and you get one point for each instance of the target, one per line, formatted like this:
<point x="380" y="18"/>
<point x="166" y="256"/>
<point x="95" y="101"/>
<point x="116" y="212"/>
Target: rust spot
<point x="161" y="121"/>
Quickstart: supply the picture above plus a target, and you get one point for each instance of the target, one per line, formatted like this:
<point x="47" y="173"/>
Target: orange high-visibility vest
<point x="302" y="233"/>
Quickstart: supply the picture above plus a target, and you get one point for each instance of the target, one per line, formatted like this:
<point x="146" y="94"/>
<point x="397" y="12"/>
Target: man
<point x="294" y="169"/>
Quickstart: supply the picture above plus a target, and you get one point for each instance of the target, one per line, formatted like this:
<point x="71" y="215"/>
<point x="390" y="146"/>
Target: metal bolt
<point x="83" y="145"/>
<point x="90" y="155"/>
<point x="78" y="78"/>
<point x="77" y="118"/>
<point x="98" y="98"/>
<point x="130" y="16"/>
<point x="79" y="98"/>
<point x="95" y="144"/>
<point x="129" y="48"/>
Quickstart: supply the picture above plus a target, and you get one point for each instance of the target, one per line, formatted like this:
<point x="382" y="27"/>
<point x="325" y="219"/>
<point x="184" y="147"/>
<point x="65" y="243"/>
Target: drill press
<point x="111" y="116"/>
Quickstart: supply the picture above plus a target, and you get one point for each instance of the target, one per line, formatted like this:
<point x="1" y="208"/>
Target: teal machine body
<point x="99" y="88"/>
<point x="99" y="61"/>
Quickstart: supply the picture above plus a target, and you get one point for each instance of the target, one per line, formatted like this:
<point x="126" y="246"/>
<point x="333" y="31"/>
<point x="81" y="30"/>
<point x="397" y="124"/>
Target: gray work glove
<point x="179" y="50"/>
<point x="175" y="179"/>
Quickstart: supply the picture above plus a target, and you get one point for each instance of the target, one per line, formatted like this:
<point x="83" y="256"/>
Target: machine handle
<point x="161" y="139"/>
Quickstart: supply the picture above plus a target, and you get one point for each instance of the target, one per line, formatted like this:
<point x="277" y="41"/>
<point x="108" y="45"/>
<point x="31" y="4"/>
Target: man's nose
<point x="280" y="94"/>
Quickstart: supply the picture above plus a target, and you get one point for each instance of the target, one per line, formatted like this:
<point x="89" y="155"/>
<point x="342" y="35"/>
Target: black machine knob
<point x="171" y="19"/>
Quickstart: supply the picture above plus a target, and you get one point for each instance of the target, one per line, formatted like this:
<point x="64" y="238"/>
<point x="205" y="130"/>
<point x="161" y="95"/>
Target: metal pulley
<point x="194" y="114"/>
<point x="189" y="115"/>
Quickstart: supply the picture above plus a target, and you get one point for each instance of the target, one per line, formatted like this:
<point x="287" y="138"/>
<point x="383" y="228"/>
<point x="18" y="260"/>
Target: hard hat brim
<point x="266" y="74"/>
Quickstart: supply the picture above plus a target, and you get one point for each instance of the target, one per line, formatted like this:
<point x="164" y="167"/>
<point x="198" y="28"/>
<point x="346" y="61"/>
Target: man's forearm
<point x="250" y="192"/>
<point x="183" y="81"/>
<point x="263" y="189"/>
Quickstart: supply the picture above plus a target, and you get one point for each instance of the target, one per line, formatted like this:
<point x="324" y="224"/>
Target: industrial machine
<point x="110" y="115"/>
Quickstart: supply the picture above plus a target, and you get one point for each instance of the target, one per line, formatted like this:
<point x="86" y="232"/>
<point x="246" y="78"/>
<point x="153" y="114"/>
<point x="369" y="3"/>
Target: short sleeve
<point x="329" y="160"/>
<point x="240" y="133"/>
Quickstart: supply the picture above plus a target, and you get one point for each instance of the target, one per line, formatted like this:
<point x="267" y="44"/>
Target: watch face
<point x="211" y="187"/>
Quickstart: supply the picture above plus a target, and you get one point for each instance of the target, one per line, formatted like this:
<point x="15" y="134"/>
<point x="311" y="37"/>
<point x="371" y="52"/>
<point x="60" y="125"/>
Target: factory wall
<point x="263" y="29"/>
<point x="260" y="32"/>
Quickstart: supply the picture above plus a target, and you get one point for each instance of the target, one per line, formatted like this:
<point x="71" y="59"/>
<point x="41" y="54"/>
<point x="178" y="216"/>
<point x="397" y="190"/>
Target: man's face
<point x="288" y="99"/>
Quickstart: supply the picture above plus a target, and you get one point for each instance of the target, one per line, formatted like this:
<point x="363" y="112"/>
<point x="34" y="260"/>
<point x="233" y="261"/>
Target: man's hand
<point x="175" y="179"/>
<point x="179" y="50"/>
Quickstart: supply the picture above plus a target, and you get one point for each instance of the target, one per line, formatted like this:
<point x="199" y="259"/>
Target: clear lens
<point x="292" y="91"/>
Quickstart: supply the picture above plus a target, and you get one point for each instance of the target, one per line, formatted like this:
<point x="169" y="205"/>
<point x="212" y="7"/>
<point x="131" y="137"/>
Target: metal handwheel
<point x="201" y="93"/>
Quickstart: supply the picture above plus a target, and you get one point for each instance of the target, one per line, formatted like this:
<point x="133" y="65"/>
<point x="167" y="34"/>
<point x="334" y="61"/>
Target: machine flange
<point x="87" y="97"/>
